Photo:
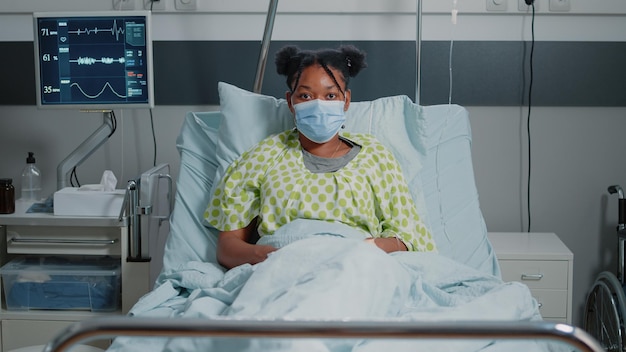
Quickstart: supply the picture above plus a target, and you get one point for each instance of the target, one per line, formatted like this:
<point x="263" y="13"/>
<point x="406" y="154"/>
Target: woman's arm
<point x="398" y="217"/>
<point x="234" y="247"/>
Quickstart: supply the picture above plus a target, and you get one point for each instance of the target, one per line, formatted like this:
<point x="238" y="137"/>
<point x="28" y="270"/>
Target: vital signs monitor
<point x="95" y="60"/>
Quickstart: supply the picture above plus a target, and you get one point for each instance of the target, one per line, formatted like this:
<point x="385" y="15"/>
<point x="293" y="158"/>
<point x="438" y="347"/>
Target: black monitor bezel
<point x="95" y="106"/>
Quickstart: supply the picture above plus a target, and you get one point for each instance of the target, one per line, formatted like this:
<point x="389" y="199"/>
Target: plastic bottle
<point x="7" y="196"/>
<point x="31" y="180"/>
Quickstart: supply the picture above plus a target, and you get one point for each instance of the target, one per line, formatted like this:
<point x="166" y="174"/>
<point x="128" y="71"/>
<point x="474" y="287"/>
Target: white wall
<point x="576" y="152"/>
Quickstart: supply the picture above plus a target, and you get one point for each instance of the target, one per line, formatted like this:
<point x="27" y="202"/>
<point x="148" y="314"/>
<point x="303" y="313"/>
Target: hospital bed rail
<point x="112" y="327"/>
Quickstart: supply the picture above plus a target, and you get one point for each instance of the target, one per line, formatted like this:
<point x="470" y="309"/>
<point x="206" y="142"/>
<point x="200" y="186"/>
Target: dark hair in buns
<point x="347" y="59"/>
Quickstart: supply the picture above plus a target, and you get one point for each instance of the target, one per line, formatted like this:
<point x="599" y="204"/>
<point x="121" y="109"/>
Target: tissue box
<point x="70" y="201"/>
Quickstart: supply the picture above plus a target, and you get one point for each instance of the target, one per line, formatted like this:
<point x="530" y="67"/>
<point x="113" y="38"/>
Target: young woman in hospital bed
<point x="314" y="172"/>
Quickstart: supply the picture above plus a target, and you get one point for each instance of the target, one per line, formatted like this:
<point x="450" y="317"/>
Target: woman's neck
<point x="331" y="149"/>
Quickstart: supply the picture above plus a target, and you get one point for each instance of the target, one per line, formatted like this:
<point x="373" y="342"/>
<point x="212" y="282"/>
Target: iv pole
<point x="418" y="47"/>
<point x="265" y="44"/>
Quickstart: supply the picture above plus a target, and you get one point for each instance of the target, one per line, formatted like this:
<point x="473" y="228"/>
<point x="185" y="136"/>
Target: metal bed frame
<point x="182" y="327"/>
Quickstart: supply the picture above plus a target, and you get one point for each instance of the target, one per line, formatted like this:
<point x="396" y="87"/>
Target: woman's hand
<point x="234" y="248"/>
<point x="262" y="252"/>
<point x="387" y="244"/>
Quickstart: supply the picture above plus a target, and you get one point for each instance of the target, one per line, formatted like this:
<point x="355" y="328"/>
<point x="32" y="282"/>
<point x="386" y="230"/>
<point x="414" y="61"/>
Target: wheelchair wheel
<point x="605" y="311"/>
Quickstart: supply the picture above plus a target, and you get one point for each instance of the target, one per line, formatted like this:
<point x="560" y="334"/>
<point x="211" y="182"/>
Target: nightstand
<point x="544" y="264"/>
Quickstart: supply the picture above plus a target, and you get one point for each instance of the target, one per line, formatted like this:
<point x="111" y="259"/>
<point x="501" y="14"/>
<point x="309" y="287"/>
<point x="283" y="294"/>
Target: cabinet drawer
<point x="552" y="303"/>
<point x="63" y="240"/>
<point x="22" y="333"/>
<point x="536" y="274"/>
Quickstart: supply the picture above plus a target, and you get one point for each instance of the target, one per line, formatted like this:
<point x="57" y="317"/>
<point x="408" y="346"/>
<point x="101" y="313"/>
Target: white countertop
<point x="533" y="245"/>
<point x="21" y="217"/>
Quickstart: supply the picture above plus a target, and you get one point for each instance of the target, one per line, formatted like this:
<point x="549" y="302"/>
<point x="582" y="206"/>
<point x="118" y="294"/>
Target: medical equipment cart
<point x="45" y="234"/>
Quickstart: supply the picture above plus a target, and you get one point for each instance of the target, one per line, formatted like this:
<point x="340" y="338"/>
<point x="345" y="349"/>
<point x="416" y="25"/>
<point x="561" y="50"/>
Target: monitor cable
<point x="113" y="122"/>
<point x="74" y="178"/>
<point x="154" y="143"/>
<point x="528" y="118"/>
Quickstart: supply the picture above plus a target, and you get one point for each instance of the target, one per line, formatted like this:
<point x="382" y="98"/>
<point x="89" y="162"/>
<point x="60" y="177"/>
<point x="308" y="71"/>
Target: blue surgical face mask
<point x="319" y="120"/>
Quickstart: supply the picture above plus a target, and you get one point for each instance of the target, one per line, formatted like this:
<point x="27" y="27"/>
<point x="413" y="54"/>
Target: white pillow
<point x="395" y="121"/>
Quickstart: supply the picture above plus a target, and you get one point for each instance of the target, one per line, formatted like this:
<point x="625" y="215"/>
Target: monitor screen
<point x="97" y="60"/>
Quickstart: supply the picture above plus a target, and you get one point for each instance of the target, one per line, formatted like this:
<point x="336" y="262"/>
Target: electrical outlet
<point x="123" y="4"/>
<point x="154" y="5"/>
<point x="560" y="5"/>
<point x="186" y="5"/>
<point x="497" y="5"/>
<point x="522" y="6"/>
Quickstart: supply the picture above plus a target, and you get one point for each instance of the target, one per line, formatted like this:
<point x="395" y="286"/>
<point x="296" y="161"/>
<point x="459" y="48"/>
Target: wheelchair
<point x="605" y="307"/>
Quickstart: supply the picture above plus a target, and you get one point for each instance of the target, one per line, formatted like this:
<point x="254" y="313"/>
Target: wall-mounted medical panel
<point x="338" y="26"/>
<point x="319" y="6"/>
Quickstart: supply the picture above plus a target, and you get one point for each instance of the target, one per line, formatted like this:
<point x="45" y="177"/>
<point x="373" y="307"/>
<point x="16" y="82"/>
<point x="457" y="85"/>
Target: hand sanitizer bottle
<point x="31" y="180"/>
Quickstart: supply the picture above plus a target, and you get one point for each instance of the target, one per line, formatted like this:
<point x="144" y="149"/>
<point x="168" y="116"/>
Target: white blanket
<point x="330" y="273"/>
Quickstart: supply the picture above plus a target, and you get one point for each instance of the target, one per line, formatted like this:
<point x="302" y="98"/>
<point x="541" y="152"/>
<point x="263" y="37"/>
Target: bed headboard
<point x="431" y="143"/>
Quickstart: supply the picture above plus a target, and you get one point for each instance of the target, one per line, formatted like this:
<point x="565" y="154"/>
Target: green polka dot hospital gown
<point x="270" y="181"/>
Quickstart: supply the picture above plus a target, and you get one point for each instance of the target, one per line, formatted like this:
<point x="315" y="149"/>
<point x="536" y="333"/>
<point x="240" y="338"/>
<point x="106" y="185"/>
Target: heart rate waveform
<point x="103" y="60"/>
<point x="104" y="87"/>
<point x="114" y="30"/>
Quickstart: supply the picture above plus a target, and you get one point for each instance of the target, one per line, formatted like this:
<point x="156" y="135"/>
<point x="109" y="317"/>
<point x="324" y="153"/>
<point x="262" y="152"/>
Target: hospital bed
<point x="456" y="293"/>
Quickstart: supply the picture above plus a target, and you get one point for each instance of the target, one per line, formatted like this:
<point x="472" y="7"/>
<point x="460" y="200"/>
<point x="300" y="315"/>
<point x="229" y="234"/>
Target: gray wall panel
<point x="488" y="73"/>
<point x="17" y="73"/>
